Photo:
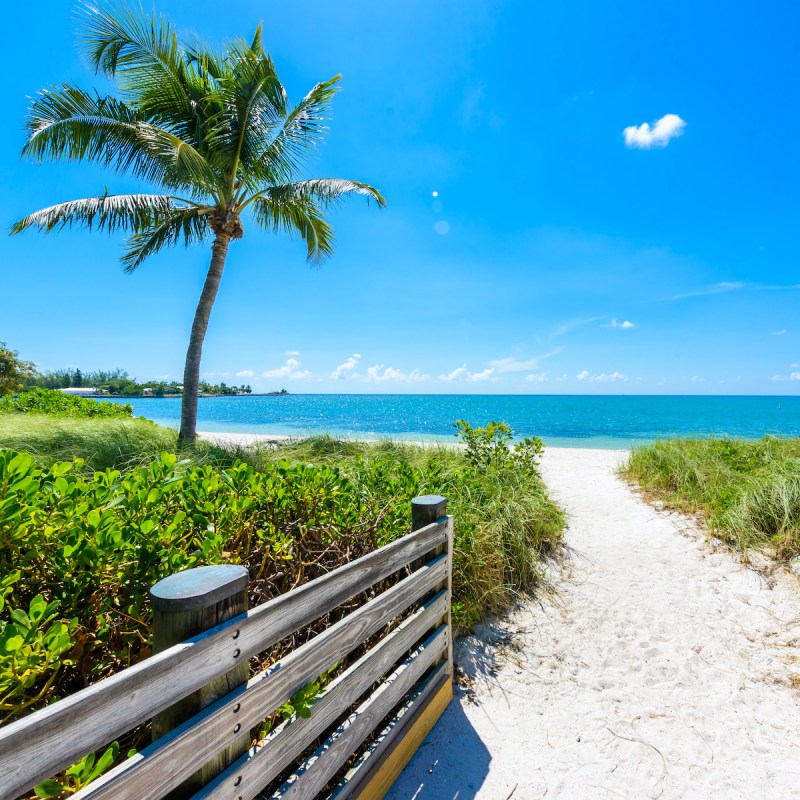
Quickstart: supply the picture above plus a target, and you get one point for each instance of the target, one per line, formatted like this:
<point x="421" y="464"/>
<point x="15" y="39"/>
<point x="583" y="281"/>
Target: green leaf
<point x="48" y="788"/>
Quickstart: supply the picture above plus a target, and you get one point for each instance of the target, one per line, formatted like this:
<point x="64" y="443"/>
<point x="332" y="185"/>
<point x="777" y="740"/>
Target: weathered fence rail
<point x="204" y="678"/>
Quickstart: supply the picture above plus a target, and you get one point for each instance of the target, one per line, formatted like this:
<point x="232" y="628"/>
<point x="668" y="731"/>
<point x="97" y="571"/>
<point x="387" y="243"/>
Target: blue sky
<point x="560" y="255"/>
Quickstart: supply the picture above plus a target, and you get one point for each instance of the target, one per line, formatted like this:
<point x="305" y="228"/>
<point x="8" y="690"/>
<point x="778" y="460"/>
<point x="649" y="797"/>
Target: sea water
<point x="560" y="420"/>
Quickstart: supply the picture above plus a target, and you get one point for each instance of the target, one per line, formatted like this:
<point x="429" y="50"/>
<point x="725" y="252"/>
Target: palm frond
<point x="253" y="103"/>
<point x="298" y="217"/>
<point x="132" y="212"/>
<point x="302" y="130"/>
<point x="67" y="122"/>
<point x="185" y="225"/>
<point x="324" y="191"/>
<point x="144" y="54"/>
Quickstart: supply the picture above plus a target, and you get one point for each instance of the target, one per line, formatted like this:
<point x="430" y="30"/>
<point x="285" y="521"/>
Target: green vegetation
<point x="99" y="442"/>
<point x="13" y="370"/>
<point x="80" y="549"/>
<point x="50" y="401"/>
<point x="747" y="491"/>
<point x="117" y="382"/>
<point x="209" y="127"/>
<point x="93" y="511"/>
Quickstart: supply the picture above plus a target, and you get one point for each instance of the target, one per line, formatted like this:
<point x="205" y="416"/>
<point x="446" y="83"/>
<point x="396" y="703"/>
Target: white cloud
<point x="609" y="377"/>
<point x="512" y="364"/>
<point x="731" y="286"/>
<point x="537" y="377"/>
<point x="245" y="373"/>
<point x="378" y="373"/>
<point x="792" y="376"/>
<point x="717" y="288"/>
<point x="486" y="375"/>
<point x="562" y="377"/>
<point x="287" y="370"/>
<point x="781" y="332"/>
<point x="697" y="379"/>
<point x="292" y="353"/>
<point x="603" y="377"/>
<point x="456" y="373"/>
<point x="645" y="137"/>
<point x="625" y="324"/>
<point x="284" y="371"/>
<point x="560" y="330"/>
<point x="343" y="370"/>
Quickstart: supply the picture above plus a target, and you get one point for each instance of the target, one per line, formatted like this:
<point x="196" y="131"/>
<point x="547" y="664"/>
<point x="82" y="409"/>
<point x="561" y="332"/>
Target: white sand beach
<point x="660" y="669"/>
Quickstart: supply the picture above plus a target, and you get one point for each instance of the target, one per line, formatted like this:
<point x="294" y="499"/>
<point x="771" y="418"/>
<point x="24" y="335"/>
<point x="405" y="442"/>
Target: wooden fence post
<point x="426" y="509"/>
<point x="184" y="605"/>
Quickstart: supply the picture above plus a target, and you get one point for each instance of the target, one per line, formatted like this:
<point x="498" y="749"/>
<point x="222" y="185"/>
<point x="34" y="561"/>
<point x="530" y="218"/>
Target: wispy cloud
<point x="716" y="288"/>
<point x="537" y="377"/>
<point x="603" y="377"/>
<point x="512" y="364"/>
<point x="781" y="332"/>
<point x="486" y="375"/>
<point x="560" y="330"/>
<point x="733" y="286"/>
<point x="625" y="324"/>
<point x="379" y="373"/>
<point x="647" y="136"/>
<point x="245" y="373"/>
<point x="292" y="353"/>
<point x="346" y="369"/>
<point x="455" y="374"/>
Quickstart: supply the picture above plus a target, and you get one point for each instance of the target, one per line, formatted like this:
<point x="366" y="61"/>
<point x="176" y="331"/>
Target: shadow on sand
<point x="451" y="764"/>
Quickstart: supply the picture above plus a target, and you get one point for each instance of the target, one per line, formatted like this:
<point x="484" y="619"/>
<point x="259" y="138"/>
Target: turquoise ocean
<point x="560" y="420"/>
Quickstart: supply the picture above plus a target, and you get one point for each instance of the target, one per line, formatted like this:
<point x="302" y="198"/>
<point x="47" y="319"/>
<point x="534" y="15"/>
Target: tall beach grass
<point x="746" y="491"/>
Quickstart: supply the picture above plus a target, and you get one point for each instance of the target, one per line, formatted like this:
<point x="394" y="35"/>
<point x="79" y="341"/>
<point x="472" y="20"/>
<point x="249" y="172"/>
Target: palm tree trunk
<point x="191" y="372"/>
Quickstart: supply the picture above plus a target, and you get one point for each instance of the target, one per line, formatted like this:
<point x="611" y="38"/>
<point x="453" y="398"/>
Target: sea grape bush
<point x="79" y="553"/>
<point x="51" y="401"/>
<point x="85" y="552"/>
<point x="488" y="447"/>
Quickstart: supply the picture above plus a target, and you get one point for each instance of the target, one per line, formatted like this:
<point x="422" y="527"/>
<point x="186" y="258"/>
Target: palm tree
<point x="211" y="128"/>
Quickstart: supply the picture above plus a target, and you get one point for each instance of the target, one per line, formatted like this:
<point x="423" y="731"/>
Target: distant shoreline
<point x="179" y="396"/>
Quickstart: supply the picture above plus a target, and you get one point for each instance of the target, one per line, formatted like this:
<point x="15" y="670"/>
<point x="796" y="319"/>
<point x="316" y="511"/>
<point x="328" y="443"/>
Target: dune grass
<point x="504" y="520"/>
<point x="746" y="491"/>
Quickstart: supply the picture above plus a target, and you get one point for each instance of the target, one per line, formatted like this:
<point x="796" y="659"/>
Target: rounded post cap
<point x="429" y="500"/>
<point x="427" y="508"/>
<point x="198" y="588"/>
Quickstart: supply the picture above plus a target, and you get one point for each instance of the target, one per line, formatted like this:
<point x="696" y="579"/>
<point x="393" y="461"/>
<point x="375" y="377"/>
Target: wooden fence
<point x="203" y="705"/>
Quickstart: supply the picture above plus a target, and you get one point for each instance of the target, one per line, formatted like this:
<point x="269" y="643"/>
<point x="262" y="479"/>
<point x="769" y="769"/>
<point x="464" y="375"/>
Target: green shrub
<point x="51" y="401"/>
<point x="86" y="549"/>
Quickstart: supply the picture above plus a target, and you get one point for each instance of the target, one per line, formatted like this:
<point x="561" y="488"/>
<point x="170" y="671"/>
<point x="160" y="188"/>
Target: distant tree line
<point x="118" y="382"/>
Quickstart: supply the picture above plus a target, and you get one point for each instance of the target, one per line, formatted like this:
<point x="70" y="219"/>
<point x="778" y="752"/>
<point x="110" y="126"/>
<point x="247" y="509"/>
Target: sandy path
<point x="661" y="670"/>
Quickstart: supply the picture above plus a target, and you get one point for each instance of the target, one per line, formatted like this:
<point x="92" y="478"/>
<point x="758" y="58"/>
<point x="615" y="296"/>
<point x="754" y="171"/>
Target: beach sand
<point x="660" y="668"/>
